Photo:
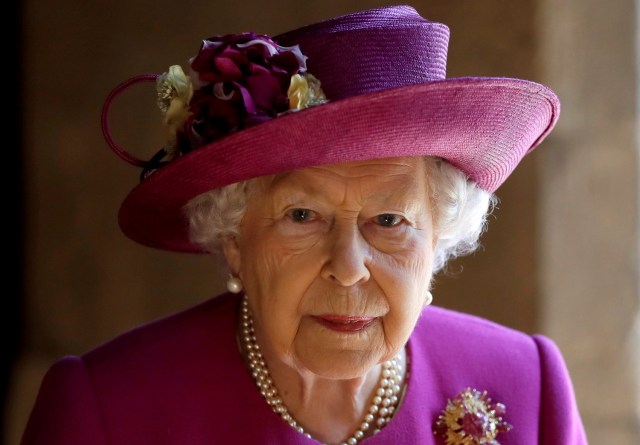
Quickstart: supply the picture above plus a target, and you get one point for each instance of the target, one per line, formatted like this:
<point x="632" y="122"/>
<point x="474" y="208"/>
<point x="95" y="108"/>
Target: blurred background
<point x="560" y="256"/>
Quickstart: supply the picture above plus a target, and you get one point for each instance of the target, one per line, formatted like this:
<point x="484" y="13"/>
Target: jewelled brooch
<point x="471" y="418"/>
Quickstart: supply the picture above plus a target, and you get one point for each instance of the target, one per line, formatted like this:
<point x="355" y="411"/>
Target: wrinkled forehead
<point x="395" y="183"/>
<point x="389" y="177"/>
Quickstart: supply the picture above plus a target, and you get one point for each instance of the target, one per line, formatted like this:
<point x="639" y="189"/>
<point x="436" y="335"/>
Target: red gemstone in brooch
<point x="471" y="419"/>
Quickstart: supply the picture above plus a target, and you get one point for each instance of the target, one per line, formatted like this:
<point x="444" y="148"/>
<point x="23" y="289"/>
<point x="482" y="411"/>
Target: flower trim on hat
<point x="174" y="93"/>
<point x="235" y="81"/>
<point x="471" y="418"/>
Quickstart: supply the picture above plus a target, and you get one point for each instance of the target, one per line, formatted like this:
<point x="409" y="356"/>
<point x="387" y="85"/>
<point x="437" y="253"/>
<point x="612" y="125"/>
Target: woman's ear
<point x="232" y="254"/>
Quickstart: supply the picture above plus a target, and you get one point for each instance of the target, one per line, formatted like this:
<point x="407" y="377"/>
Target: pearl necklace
<point x="382" y="407"/>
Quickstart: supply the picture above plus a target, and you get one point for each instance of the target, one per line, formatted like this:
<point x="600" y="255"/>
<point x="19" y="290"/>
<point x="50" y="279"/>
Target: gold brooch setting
<point x="471" y="418"/>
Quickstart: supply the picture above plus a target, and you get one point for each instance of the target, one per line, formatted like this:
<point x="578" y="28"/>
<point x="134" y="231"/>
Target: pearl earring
<point x="428" y="299"/>
<point x="234" y="284"/>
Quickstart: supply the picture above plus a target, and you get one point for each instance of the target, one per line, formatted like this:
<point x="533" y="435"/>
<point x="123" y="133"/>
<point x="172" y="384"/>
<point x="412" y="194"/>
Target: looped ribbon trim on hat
<point x="122" y="153"/>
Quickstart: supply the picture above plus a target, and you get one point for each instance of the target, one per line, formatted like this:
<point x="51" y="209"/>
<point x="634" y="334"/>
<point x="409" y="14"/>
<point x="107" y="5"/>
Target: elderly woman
<point x="334" y="169"/>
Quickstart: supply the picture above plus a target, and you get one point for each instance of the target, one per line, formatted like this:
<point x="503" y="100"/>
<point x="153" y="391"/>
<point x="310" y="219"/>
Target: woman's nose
<point x="348" y="256"/>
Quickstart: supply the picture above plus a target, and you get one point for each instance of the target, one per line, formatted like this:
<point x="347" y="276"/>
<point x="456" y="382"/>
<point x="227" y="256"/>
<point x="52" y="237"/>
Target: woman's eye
<point x="389" y="219"/>
<point x="301" y="215"/>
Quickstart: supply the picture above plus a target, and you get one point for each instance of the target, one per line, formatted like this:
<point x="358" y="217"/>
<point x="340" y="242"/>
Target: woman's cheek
<point x="298" y="237"/>
<point x="387" y="239"/>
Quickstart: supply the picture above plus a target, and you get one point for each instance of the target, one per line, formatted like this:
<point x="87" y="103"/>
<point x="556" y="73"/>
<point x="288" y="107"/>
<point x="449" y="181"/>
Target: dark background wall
<point x="11" y="315"/>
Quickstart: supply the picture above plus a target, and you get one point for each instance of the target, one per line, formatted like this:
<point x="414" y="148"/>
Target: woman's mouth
<point x="344" y="323"/>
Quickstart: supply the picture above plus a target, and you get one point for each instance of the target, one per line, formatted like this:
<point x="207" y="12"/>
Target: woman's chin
<point x="338" y="365"/>
<point x="339" y="353"/>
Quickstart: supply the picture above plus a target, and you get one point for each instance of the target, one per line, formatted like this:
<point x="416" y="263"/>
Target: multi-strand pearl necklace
<point x="382" y="407"/>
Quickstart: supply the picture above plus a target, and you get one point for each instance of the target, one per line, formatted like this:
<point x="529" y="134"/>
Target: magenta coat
<point x="182" y="381"/>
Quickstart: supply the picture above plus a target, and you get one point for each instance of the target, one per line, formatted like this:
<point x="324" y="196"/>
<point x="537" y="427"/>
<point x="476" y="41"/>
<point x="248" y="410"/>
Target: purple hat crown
<point x="372" y="50"/>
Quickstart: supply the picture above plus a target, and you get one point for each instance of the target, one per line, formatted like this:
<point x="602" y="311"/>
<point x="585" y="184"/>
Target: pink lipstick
<point x="344" y="323"/>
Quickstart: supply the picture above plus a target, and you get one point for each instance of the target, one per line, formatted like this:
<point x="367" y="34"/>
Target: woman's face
<point x="336" y="262"/>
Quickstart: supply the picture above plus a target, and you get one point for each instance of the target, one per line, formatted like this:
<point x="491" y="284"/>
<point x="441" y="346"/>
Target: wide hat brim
<point x="483" y="126"/>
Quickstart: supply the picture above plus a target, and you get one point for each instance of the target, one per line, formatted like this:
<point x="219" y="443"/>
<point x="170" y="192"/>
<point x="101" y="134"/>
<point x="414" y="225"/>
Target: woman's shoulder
<point x="158" y="382"/>
<point x="487" y="339"/>
<point x="460" y="350"/>
<point x="482" y="345"/>
<point x="465" y="328"/>
<point x="185" y="334"/>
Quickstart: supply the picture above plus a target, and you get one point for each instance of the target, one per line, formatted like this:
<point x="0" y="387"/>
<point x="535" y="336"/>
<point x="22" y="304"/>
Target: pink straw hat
<point x="252" y="107"/>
